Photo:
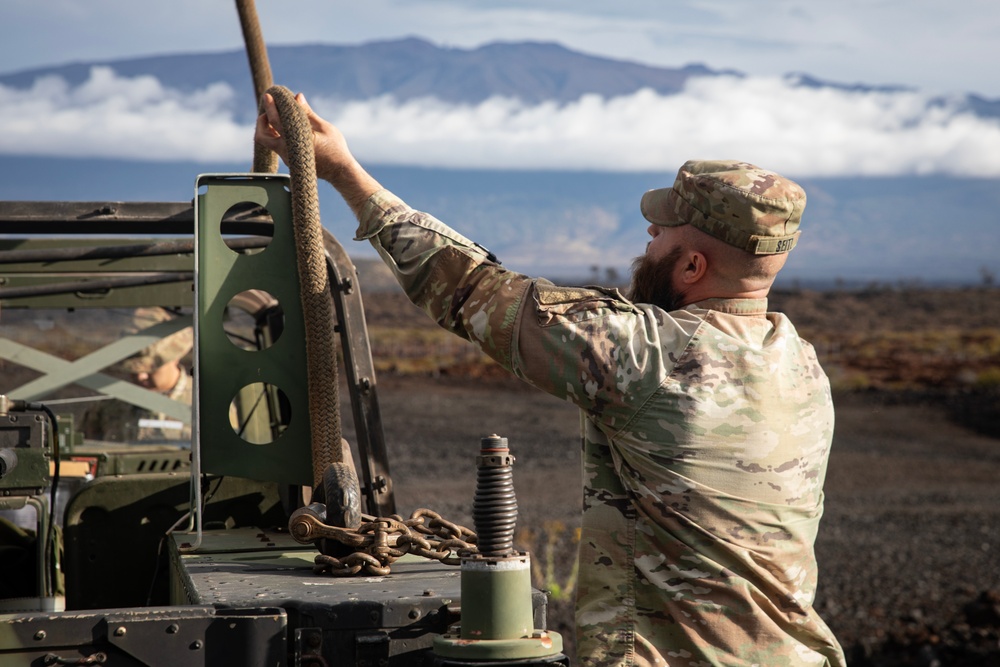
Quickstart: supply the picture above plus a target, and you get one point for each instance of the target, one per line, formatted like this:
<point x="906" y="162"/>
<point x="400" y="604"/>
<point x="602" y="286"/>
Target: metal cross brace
<point x="85" y="370"/>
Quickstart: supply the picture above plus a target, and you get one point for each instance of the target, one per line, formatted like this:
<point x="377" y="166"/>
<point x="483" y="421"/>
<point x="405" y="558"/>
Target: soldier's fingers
<point x="271" y="111"/>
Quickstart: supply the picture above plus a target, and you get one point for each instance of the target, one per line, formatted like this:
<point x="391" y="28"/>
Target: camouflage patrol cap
<point x="163" y="351"/>
<point x="745" y="206"/>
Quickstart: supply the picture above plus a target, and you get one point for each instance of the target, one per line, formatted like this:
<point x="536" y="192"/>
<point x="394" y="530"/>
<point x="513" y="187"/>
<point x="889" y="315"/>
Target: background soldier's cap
<point x="745" y="206"/>
<point x="162" y="351"/>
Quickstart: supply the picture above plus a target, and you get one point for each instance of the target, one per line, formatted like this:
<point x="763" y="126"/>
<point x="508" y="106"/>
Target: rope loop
<point x="314" y="285"/>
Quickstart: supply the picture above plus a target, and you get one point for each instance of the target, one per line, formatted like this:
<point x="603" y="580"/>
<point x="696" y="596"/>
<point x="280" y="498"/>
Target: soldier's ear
<point x="695" y="266"/>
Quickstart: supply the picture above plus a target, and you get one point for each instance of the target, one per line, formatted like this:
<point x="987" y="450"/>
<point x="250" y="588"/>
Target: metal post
<point x="497" y="621"/>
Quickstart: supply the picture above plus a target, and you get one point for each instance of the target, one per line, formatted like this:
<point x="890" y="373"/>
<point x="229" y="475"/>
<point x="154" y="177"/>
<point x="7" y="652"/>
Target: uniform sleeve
<point x="587" y="345"/>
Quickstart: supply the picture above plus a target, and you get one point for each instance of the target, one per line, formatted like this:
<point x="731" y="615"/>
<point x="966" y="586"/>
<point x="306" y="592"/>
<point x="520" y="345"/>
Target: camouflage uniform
<point x="706" y="433"/>
<point x="118" y="421"/>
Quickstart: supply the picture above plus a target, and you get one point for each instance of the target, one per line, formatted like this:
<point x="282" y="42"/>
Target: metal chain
<point x="380" y="541"/>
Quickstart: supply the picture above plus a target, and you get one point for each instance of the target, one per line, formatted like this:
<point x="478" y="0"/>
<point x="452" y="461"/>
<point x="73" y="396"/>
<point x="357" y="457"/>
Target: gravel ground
<point x="908" y="550"/>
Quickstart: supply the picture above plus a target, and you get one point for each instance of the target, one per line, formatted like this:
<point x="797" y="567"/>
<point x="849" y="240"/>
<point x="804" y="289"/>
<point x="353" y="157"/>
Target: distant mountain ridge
<point x="411" y="68"/>
<point x="405" y="68"/>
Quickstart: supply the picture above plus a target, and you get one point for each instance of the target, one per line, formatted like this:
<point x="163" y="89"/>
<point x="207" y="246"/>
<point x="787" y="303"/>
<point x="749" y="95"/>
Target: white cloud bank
<point x="797" y="130"/>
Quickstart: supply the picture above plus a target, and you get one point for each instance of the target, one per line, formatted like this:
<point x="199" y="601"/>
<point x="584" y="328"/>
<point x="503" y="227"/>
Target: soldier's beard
<point x="653" y="281"/>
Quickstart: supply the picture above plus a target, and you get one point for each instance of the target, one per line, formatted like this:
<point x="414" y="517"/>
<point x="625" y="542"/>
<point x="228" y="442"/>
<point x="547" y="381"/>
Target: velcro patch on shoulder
<point x="551" y="295"/>
<point x="574" y="304"/>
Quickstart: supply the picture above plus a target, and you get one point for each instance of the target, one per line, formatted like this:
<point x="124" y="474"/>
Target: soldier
<point x="156" y="367"/>
<point x="708" y="421"/>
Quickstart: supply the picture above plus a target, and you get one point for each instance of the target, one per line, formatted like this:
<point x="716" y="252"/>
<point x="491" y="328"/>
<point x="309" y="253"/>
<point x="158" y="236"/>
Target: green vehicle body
<point x="172" y="553"/>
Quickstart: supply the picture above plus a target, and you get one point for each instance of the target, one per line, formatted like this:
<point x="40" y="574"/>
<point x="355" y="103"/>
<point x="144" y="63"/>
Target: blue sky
<point x="923" y="129"/>
<point x="940" y="47"/>
<point x="938" y="54"/>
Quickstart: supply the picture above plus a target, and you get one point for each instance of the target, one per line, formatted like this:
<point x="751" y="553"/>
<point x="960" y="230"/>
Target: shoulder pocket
<point x="555" y="304"/>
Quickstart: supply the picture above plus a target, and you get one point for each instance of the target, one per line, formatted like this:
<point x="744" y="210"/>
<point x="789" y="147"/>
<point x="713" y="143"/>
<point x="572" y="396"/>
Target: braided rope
<point x="314" y="286"/>
<point x="264" y="159"/>
<point x="321" y="357"/>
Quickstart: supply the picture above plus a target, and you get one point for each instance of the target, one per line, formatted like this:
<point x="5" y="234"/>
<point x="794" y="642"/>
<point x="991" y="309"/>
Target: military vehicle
<point x="258" y="542"/>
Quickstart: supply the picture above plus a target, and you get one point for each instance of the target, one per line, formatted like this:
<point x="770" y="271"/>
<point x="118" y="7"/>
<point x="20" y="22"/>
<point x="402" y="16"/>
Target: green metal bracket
<point x="224" y="370"/>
